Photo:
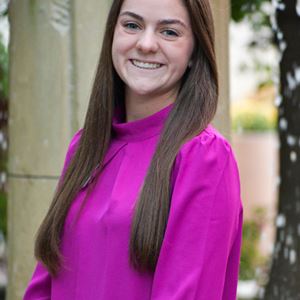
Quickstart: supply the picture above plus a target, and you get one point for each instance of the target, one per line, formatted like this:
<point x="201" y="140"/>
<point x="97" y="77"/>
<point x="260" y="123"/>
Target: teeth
<point x="145" y="65"/>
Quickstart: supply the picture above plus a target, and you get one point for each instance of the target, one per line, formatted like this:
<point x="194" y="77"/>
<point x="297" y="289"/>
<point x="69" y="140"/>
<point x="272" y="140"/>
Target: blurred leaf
<point x="3" y="70"/>
<point x="242" y="8"/>
<point x="3" y="213"/>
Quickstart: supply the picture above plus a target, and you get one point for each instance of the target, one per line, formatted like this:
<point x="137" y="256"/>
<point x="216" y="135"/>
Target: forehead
<point x="157" y="9"/>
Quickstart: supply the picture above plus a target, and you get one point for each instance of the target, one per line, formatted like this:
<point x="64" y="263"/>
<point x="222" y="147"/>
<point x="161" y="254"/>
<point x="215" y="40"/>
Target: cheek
<point x="122" y="42"/>
<point x="181" y="54"/>
<point x="186" y="51"/>
<point x="114" y="47"/>
<point x="114" y="57"/>
<point x="117" y="53"/>
<point x="180" y="59"/>
<point x="117" y="44"/>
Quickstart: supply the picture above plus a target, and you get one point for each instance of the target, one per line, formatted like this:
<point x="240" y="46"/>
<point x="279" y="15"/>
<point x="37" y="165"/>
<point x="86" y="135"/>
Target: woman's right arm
<point x="39" y="287"/>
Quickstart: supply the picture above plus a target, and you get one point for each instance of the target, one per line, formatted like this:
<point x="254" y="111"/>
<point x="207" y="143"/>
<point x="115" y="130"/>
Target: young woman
<point x="148" y="205"/>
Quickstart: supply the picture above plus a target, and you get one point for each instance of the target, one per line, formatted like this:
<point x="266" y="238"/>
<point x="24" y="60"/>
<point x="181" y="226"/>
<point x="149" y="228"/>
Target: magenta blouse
<point x="199" y="258"/>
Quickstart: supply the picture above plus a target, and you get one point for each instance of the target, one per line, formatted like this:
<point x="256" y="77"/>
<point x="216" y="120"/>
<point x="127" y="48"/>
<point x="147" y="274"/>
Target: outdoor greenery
<point x="3" y="216"/>
<point x="3" y="153"/>
<point x="242" y="8"/>
<point x="249" y="121"/>
<point x="257" y="13"/>
<point x="249" y="255"/>
<point x="3" y="70"/>
<point x="256" y="113"/>
<point x="251" y="260"/>
<point x="255" y="116"/>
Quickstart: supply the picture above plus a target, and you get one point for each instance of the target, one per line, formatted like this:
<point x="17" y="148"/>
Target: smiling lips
<point x="145" y="65"/>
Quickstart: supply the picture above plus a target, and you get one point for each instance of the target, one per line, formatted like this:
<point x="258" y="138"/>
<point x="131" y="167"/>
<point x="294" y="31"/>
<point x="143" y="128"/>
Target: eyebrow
<point x="160" y="22"/>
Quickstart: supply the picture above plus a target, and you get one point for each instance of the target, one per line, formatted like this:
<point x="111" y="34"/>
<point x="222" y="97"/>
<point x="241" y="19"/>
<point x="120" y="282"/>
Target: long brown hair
<point x="193" y="109"/>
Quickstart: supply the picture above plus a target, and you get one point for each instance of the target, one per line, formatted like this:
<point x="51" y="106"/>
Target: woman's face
<point x="152" y="46"/>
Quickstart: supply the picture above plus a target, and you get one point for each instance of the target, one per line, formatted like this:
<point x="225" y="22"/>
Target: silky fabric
<point x="200" y="254"/>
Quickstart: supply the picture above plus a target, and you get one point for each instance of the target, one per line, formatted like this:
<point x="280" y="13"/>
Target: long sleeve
<point x="199" y="257"/>
<point x="39" y="287"/>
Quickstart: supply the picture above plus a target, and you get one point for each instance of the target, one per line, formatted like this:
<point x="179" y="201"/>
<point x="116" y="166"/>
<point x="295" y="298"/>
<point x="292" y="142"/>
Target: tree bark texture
<point x="284" y="278"/>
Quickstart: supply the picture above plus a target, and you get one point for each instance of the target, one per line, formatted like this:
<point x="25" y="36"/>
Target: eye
<point x="170" y="33"/>
<point x="131" y="26"/>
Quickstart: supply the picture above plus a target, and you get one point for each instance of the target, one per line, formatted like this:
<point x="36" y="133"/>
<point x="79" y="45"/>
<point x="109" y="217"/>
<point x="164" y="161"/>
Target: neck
<point x="139" y="107"/>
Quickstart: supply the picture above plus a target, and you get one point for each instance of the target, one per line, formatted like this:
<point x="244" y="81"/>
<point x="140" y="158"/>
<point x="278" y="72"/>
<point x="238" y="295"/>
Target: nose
<point x="147" y="42"/>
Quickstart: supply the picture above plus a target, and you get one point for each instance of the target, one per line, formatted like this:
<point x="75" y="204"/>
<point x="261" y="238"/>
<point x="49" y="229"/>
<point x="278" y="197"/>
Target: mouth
<point x="145" y="65"/>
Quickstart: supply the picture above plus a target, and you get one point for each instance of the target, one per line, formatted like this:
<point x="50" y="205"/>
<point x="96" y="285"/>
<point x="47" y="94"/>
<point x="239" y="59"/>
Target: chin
<point x="144" y="91"/>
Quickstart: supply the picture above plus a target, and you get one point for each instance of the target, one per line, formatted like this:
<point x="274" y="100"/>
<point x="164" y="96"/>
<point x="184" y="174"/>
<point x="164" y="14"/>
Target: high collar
<point x="142" y="128"/>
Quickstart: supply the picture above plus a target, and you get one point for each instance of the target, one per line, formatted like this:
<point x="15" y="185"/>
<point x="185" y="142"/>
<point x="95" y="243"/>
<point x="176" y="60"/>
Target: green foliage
<point x="3" y="70"/>
<point x="4" y="8"/>
<point x="249" y="250"/>
<point x="3" y="212"/>
<point x="257" y="13"/>
<point x="242" y="8"/>
<point x="250" y="258"/>
<point x="250" y="121"/>
<point x="252" y="263"/>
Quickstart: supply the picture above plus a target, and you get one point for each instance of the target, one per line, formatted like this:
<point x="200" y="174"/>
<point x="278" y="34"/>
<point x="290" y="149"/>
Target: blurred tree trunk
<point x="285" y="271"/>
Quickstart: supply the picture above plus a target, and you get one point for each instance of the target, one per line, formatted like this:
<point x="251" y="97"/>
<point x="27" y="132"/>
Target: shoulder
<point x="209" y="148"/>
<point x="207" y="163"/>
<point x="207" y="157"/>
